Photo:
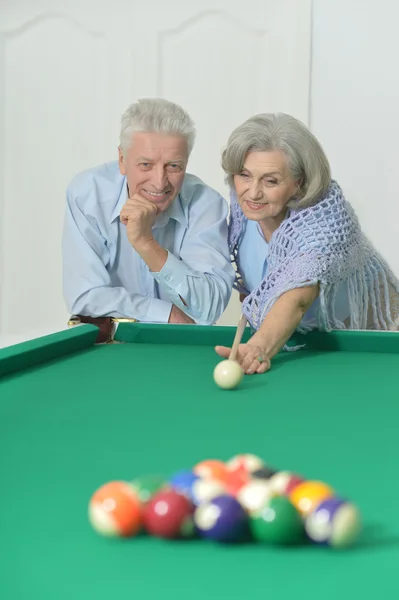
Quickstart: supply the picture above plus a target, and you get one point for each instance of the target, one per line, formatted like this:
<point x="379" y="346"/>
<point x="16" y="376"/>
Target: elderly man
<point x="142" y="238"/>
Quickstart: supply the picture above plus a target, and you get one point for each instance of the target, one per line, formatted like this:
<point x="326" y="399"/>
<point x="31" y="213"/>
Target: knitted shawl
<point x="321" y="244"/>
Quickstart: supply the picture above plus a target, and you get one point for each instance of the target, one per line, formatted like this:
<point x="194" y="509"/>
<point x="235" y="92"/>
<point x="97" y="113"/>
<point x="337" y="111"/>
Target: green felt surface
<point x="119" y="411"/>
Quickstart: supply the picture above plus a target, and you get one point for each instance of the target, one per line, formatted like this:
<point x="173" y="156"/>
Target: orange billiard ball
<point x="211" y="469"/>
<point x="115" y="510"/>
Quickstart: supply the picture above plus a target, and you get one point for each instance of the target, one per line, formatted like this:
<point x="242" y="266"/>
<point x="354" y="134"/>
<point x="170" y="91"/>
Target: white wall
<point x="355" y="108"/>
<point x="69" y="69"/>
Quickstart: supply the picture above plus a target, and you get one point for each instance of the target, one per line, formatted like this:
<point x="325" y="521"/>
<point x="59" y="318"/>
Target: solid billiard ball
<point x="283" y="482"/>
<point x="183" y="482"/>
<point x="334" y="522"/>
<point x="211" y="469"/>
<point x="145" y="487"/>
<point x="249" y="462"/>
<point x="228" y="374"/>
<point x="308" y="494"/>
<point x="254" y="495"/>
<point x="222" y="519"/>
<point x="169" y="515"/>
<point x="278" y="522"/>
<point x="264" y="472"/>
<point x="204" y="490"/>
<point x="115" y="510"/>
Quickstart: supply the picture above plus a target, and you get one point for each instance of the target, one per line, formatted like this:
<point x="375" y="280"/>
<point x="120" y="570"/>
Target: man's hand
<point x="139" y="214"/>
<point x="178" y="316"/>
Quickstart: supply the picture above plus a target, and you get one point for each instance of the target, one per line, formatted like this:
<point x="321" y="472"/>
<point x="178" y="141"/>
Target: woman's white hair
<point x="306" y="159"/>
<point x="156" y="115"/>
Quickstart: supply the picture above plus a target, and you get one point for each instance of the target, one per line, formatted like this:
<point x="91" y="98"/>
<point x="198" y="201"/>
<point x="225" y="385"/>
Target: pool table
<point x="75" y="414"/>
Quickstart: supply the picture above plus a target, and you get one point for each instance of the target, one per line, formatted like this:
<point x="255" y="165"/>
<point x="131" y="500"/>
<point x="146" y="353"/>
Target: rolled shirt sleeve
<point x="203" y="275"/>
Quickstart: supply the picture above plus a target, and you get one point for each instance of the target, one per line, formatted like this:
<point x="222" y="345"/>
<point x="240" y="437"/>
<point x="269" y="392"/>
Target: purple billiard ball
<point x="334" y="522"/>
<point x="222" y="519"/>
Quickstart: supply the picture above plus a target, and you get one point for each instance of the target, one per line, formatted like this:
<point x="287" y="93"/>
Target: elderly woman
<point x="301" y="258"/>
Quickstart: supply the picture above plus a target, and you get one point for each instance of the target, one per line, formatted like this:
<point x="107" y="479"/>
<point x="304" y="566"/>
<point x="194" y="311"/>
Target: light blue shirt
<point x="253" y="251"/>
<point x="104" y="276"/>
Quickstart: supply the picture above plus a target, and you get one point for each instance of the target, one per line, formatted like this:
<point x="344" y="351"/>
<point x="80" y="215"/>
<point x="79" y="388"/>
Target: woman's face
<point x="265" y="186"/>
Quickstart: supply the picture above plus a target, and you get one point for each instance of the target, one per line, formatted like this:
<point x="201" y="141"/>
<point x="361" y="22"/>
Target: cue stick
<point x="237" y="339"/>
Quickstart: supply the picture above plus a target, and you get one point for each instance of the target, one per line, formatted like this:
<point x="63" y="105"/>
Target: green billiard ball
<point x="145" y="487"/>
<point x="278" y="522"/>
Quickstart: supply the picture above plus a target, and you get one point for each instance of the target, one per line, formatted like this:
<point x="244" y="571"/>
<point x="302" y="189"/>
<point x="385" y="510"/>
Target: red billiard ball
<point x="235" y="480"/>
<point x="169" y="514"/>
<point x="248" y="462"/>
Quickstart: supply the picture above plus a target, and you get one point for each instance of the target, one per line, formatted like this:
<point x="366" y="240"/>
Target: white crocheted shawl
<point x="322" y="244"/>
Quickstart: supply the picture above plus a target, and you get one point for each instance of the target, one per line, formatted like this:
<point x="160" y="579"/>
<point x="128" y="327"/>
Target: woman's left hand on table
<point x="251" y="357"/>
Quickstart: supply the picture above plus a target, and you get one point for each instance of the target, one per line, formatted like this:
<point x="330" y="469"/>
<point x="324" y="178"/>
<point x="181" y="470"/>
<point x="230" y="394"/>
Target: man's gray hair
<point x="306" y="159"/>
<point x="156" y="115"/>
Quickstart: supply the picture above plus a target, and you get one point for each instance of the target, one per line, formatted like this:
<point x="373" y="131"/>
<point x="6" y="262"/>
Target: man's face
<point x="155" y="165"/>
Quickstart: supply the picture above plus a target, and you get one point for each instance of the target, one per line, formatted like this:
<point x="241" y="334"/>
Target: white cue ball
<point x="228" y="374"/>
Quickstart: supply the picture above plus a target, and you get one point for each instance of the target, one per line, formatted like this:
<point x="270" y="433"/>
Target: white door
<point x="67" y="72"/>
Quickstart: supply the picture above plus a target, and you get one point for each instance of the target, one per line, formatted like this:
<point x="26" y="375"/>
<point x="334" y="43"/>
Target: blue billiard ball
<point x="334" y="522"/>
<point x="183" y="482"/>
<point x="222" y="519"/>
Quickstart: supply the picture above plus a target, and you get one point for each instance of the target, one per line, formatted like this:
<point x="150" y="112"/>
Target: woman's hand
<point x="250" y="356"/>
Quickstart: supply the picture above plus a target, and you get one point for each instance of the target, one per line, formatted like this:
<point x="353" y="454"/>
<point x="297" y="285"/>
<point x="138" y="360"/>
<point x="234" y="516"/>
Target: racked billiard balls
<point x="278" y="522"/>
<point x="115" y="510"/>
<point x="228" y="374"/>
<point x="169" y="515"/>
<point x="222" y="519"/>
<point x="334" y="522"/>
<point x="307" y="495"/>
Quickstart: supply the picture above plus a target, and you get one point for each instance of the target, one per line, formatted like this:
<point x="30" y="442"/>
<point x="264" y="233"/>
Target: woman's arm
<point x="276" y="329"/>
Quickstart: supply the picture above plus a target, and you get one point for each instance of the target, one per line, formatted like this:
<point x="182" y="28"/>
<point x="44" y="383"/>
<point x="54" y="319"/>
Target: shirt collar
<point x="175" y="210"/>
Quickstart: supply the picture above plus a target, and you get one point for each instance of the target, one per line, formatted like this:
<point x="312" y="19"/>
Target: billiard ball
<point x="308" y="494"/>
<point x="334" y="522"/>
<point x="254" y="495"/>
<point x="278" y="522"/>
<point x="115" y="510"/>
<point x="211" y="469"/>
<point x="228" y="374"/>
<point x="235" y="480"/>
<point x="222" y="519"/>
<point x="283" y="482"/>
<point x="264" y="472"/>
<point x="249" y="462"/>
<point x="169" y="515"/>
<point x="204" y="490"/>
<point x="145" y="487"/>
<point x="183" y="482"/>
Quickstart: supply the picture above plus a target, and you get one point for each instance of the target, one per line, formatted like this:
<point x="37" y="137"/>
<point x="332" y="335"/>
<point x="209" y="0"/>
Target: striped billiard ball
<point x="115" y="510"/>
<point x="334" y="522"/>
